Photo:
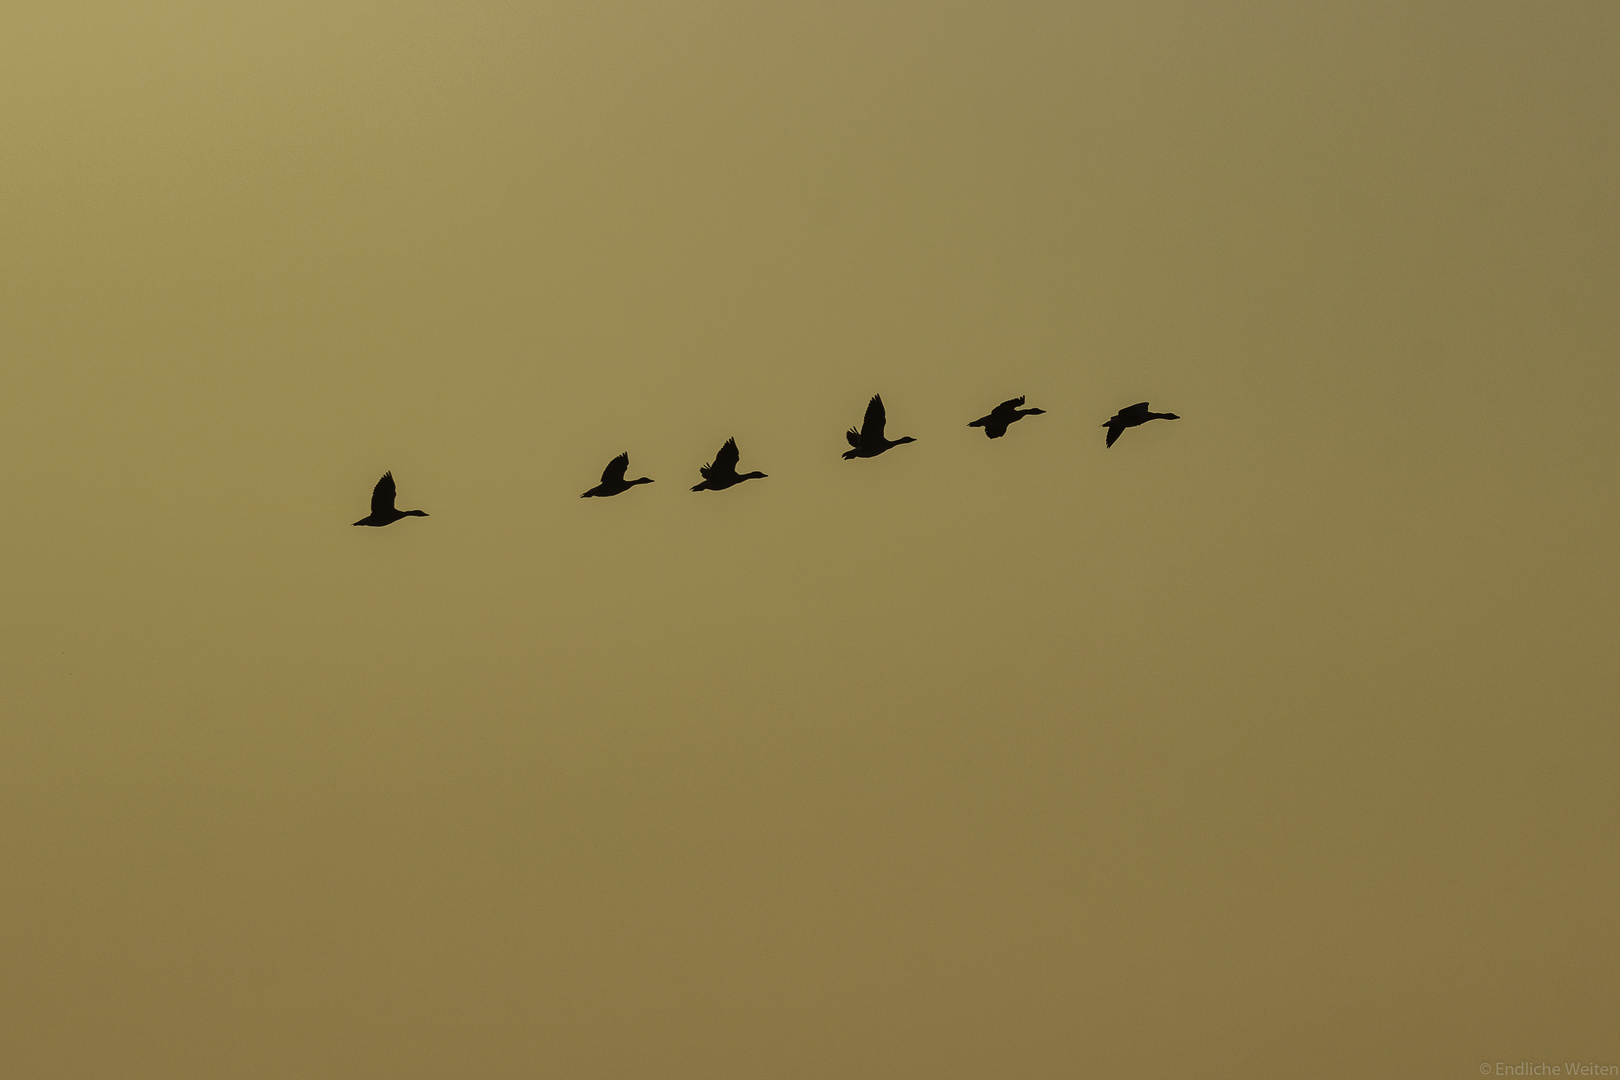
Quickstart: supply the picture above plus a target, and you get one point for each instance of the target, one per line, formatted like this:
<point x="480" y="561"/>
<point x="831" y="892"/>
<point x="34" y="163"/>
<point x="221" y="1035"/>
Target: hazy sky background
<point x="1277" y="741"/>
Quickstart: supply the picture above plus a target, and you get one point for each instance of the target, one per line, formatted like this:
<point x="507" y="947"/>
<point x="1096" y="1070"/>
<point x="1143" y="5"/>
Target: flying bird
<point x="613" y="481"/>
<point x="868" y="441"/>
<point x="382" y="505"/>
<point x="721" y="473"/>
<point x="1132" y="416"/>
<point x="1008" y="412"/>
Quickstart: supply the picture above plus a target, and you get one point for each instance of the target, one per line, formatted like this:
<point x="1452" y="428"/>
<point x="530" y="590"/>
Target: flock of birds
<point x="865" y="441"/>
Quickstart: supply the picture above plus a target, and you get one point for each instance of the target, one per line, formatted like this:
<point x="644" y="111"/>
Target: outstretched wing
<point x="1133" y="410"/>
<point x="382" y="496"/>
<point x="614" y="473"/>
<point x="1113" y="432"/>
<point x="1010" y="404"/>
<point x="854" y="437"/>
<point x="872" y="426"/>
<point x="724" y="462"/>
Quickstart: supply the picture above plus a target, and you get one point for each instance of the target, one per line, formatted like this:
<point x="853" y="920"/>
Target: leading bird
<point x="1133" y="416"/>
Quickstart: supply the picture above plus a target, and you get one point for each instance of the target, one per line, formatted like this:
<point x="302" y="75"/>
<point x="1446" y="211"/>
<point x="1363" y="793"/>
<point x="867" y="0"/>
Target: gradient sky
<point x="1277" y="741"/>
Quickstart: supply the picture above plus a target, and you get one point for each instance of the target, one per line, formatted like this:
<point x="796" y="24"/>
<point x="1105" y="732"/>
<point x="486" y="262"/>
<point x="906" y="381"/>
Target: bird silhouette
<point x="1132" y="416"/>
<point x="721" y="473"/>
<point x="1008" y="412"/>
<point x="613" y="481"/>
<point x="869" y="440"/>
<point x="382" y="505"/>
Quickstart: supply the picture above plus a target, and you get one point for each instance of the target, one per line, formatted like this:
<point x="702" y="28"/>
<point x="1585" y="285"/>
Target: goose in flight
<point x="613" y="481"/>
<point x="995" y="424"/>
<point x="382" y="505"/>
<point x="721" y="473"/>
<point x="1131" y="417"/>
<point x="869" y="440"/>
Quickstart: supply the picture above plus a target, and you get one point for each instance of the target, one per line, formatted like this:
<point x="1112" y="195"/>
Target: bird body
<point x="868" y="440"/>
<point x="721" y="473"/>
<point x="1133" y="416"/>
<point x="995" y="423"/>
<point x="613" y="481"/>
<point x="382" y="505"/>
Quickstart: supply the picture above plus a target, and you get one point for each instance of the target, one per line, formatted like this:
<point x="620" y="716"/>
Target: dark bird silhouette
<point x="869" y="440"/>
<point x="613" y="481"/>
<point x="1133" y="416"/>
<point x="382" y="505"/>
<point x="1008" y="412"/>
<point x="721" y="473"/>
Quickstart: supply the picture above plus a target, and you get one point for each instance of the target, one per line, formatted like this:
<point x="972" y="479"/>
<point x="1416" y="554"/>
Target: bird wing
<point x="614" y="473"/>
<point x="382" y="496"/>
<point x="1010" y="404"/>
<point x="1134" y="410"/>
<point x="725" y="461"/>
<point x="854" y="437"/>
<point x="872" y="426"/>
<point x="1113" y="432"/>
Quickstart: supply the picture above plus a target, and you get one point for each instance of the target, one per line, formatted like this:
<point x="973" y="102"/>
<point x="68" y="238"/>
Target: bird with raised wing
<point x="721" y="473"/>
<point x="1133" y="416"/>
<point x="868" y="440"/>
<point x="613" y="481"/>
<point x="1008" y="412"/>
<point x="382" y="505"/>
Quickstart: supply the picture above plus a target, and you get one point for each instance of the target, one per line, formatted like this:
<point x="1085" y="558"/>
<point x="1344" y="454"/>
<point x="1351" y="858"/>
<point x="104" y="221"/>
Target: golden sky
<point x="1277" y="741"/>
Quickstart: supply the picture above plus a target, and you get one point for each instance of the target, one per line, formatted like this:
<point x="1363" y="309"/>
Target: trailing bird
<point x="721" y="473"/>
<point x="382" y="505"/>
<point x="1131" y="417"/>
<point x="869" y="440"/>
<point x="1008" y="412"/>
<point x="613" y="481"/>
